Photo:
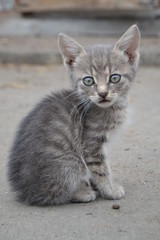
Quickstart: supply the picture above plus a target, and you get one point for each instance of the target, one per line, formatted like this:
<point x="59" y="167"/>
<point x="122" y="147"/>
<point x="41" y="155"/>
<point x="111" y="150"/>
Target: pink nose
<point x="103" y="94"/>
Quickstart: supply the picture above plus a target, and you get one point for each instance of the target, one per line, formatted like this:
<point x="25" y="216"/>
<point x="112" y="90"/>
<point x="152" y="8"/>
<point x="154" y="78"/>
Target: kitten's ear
<point x="129" y="44"/>
<point x="69" y="49"/>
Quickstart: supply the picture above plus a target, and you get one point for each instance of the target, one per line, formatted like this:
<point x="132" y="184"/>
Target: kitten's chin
<point x="104" y="104"/>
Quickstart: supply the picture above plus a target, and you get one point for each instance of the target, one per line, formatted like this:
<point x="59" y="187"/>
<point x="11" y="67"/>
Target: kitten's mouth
<point x="104" y="101"/>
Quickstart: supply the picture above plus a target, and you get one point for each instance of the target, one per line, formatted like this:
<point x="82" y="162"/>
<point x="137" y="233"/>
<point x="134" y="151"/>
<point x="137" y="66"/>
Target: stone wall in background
<point x="44" y="5"/>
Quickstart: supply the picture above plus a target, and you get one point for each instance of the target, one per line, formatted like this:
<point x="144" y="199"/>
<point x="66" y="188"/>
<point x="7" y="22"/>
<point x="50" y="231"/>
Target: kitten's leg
<point x="75" y="185"/>
<point x="84" y="194"/>
<point x="102" y="180"/>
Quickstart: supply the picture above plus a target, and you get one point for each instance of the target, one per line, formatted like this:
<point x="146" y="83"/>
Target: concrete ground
<point x="134" y="158"/>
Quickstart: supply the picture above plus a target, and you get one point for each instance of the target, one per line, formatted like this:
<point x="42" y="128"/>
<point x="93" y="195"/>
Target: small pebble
<point x="116" y="206"/>
<point x="127" y="149"/>
<point x="89" y="213"/>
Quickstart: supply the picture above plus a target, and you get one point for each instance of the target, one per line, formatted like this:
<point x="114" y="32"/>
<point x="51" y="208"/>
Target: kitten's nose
<point x="103" y="94"/>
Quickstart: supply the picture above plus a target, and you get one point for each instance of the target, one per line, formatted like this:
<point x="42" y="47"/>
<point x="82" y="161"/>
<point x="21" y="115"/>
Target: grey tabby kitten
<point x="58" y="155"/>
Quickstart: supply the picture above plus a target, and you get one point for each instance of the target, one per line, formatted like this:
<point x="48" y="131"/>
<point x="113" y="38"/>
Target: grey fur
<point x="58" y="153"/>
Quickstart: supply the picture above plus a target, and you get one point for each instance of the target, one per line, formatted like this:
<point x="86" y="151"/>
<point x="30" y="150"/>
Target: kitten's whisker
<point x="85" y="110"/>
<point x="73" y="93"/>
<point x="88" y="107"/>
<point x="93" y="98"/>
<point x="114" y="95"/>
<point x="84" y="104"/>
<point x="81" y="103"/>
<point x="121" y="100"/>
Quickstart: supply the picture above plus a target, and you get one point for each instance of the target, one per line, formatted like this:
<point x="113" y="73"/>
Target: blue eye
<point x="115" y="78"/>
<point x="88" y="81"/>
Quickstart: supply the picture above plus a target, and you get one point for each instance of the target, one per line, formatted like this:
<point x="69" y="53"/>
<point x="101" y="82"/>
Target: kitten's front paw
<point x="115" y="192"/>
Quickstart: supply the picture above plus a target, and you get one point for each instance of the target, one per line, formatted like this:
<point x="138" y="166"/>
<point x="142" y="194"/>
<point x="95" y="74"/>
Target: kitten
<point x="58" y="155"/>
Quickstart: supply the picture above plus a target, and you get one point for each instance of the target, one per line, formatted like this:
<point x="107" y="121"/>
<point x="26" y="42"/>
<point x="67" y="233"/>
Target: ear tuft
<point x="129" y="44"/>
<point x="69" y="49"/>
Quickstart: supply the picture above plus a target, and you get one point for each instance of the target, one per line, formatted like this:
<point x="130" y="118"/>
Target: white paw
<point x="90" y="196"/>
<point x="115" y="192"/>
<point x="84" y="196"/>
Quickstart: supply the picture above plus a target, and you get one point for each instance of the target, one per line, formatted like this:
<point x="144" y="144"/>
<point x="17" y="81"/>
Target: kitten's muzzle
<point x="103" y="95"/>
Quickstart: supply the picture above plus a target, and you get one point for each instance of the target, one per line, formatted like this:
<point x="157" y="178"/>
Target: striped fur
<point x="57" y="156"/>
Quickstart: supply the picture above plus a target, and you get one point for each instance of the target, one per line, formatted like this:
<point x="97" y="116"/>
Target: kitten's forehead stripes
<point x="93" y="72"/>
<point x="101" y="64"/>
<point x="98" y="56"/>
<point x="94" y="68"/>
<point x="107" y="70"/>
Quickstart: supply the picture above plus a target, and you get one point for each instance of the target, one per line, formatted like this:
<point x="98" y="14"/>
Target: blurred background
<point x="29" y="28"/>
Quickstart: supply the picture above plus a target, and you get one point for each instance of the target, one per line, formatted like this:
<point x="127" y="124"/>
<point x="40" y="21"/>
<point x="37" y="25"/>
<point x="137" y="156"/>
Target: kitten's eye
<point x="88" y="81"/>
<point x="115" y="78"/>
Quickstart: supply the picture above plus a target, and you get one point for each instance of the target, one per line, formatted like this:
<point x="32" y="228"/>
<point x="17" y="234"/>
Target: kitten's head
<point x="100" y="73"/>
